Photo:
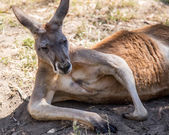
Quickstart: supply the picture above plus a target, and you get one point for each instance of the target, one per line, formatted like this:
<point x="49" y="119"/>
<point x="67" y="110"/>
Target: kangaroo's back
<point x="141" y="53"/>
<point x="158" y="31"/>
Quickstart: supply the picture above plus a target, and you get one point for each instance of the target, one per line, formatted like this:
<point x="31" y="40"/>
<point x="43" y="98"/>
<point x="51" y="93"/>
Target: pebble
<point x="51" y="131"/>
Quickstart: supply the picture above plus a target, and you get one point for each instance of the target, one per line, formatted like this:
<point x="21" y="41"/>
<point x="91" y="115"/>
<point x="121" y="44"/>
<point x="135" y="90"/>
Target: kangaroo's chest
<point x="89" y="77"/>
<point x="85" y="72"/>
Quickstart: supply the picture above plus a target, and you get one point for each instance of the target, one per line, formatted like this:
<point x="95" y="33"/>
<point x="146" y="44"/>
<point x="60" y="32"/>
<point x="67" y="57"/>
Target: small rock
<point x="15" y="133"/>
<point x="51" y="131"/>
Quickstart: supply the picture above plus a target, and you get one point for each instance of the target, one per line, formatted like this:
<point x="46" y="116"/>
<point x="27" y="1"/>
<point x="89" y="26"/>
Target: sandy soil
<point x="84" y="21"/>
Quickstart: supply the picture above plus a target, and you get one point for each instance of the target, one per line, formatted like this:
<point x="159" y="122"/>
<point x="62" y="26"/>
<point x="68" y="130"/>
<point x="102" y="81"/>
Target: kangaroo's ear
<point x="59" y="15"/>
<point x="26" y="21"/>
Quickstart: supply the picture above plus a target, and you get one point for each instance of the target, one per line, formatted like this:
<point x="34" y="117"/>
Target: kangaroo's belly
<point x="93" y="80"/>
<point x="106" y="89"/>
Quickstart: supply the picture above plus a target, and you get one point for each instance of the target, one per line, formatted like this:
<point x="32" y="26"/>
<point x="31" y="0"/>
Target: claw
<point x="131" y="116"/>
<point x="113" y="129"/>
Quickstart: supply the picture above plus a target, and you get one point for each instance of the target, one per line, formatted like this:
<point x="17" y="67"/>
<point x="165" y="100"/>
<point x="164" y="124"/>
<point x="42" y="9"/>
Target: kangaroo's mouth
<point x="55" y="68"/>
<point x="62" y="69"/>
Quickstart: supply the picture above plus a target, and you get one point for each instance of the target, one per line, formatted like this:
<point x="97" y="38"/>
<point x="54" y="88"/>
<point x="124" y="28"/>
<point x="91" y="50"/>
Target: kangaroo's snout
<point x="65" y="67"/>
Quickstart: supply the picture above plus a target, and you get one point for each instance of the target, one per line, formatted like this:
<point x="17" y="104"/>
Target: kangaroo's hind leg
<point x="122" y="72"/>
<point x="114" y="65"/>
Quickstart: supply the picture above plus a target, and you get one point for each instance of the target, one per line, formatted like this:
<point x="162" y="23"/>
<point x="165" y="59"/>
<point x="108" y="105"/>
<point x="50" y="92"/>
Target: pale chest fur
<point x="90" y="77"/>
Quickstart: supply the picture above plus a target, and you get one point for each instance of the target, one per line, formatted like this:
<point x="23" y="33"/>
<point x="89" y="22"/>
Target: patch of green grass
<point x="166" y="22"/>
<point x="80" y="33"/>
<point x="126" y="3"/>
<point x="4" y="60"/>
<point x="119" y="16"/>
<point x="6" y="20"/>
<point x="76" y="128"/>
<point x="12" y="23"/>
<point x="28" y="42"/>
<point x="100" y="4"/>
<point x="27" y="55"/>
<point x="77" y="2"/>
<point x="111" y="4"/>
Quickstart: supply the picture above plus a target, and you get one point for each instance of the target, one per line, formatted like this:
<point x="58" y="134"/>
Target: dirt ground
<point x="20" y="123"/>
<point x="87" y="23"/>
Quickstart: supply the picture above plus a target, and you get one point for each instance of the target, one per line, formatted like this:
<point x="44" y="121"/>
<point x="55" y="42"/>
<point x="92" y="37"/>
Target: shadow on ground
<point x="165" y="2"/>
<point x="20" y="122"/>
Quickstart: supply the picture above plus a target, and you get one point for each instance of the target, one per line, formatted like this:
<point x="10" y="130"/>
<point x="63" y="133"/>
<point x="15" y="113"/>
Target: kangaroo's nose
<point x="65" y="67"/>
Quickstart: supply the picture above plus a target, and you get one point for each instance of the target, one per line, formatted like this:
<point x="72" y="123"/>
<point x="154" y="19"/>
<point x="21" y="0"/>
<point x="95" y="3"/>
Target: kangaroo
<point x="127" y="66"/>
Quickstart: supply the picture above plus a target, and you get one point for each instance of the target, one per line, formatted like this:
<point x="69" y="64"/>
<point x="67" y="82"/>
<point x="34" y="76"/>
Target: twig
<point x="161" y="109"/>
<point x="21" y="93"/>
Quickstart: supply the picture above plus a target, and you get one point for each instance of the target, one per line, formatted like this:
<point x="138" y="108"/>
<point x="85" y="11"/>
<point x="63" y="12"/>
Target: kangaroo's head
<point x="50" y="43"/>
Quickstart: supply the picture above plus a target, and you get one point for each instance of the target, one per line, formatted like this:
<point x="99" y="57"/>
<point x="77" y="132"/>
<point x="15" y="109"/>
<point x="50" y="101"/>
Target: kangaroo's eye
<point x="64" y="41"/>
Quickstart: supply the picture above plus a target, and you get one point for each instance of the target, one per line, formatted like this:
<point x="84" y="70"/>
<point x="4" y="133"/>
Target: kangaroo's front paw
<point x="141" y="116"/>
<point x="99" y="124"/>
<point x="102" y="126"/>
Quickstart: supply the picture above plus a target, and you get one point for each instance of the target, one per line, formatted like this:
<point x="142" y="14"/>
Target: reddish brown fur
<point x="158" y="31"/>
<point x="141" y="53"/>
